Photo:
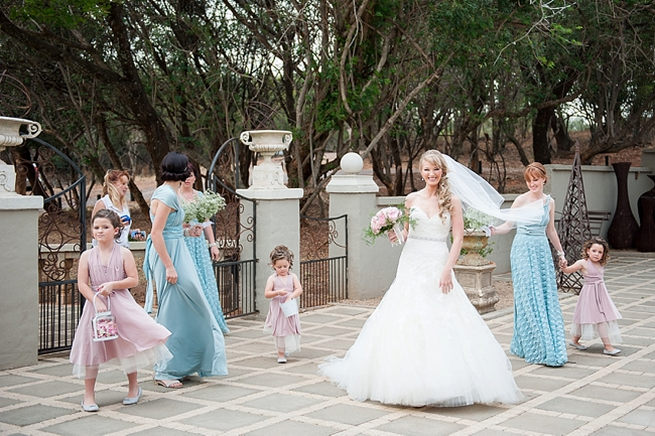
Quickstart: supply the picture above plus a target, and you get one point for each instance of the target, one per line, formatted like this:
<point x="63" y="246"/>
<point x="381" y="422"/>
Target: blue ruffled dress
<point x="538" y="322"/>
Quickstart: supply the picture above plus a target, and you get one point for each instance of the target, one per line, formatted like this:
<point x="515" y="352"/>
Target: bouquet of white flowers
<point x="203" y="207"/>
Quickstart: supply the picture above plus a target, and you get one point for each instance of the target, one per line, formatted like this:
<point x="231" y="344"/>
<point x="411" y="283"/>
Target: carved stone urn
<point x="11" y="136"/>
<point x="267" y="174"/>
<point x="474" y="272"/>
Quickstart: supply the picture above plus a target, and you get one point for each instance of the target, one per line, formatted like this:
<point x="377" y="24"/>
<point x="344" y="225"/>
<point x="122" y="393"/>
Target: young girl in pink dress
<point x="282" y="287"/>
<point x="595" y="314"/>
<point x="106" y="272"/>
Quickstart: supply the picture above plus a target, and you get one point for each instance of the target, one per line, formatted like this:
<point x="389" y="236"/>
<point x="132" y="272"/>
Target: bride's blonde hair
<point x="435" y="158"/>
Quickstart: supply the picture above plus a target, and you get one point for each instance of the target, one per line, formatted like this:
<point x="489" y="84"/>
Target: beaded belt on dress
<point x="426" y="238"/>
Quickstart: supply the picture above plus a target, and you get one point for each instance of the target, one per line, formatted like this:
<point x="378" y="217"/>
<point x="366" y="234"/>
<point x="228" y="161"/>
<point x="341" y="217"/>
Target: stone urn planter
<point x="11" y="135"/>
<point x="268" y="174"/>
<point x="474" y="272"/>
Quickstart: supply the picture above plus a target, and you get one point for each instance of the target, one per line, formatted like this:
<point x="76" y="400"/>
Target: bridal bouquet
<point x="389" y="218"/>
<point x="203" y="208"/>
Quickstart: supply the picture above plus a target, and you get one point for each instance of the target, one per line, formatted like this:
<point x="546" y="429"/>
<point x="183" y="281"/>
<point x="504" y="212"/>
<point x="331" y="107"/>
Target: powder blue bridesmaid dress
<point x="197" y="342"/>
<point x="538" y="323"/>
<point x="200" y="254"/>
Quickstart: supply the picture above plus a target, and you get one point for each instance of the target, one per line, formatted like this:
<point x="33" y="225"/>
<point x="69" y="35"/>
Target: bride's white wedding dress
<point x="421" y="346"/>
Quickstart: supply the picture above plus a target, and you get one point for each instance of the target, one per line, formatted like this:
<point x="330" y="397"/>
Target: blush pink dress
<point x="595" y="314"/>
<point x="285" y="329"/>
<point x="140" y="342"/>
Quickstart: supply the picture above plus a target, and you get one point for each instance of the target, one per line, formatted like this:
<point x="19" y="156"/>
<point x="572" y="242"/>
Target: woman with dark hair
<point x="197" y="342"/>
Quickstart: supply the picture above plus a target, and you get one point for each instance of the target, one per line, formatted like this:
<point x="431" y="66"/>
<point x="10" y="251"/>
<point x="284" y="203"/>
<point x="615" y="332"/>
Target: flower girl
<point x="283" y="287"/>
<point x="595" y="314"/>
<point x="104" y="274"/>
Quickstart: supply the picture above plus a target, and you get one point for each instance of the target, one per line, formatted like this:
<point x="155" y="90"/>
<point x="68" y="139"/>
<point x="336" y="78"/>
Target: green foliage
<point x="68" y="14"/>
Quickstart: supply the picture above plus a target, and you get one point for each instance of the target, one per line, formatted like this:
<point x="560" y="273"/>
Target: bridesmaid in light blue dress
<point x="200" y="255"/>
<point x="538" y="323"/>
<point x="196" y="342"/>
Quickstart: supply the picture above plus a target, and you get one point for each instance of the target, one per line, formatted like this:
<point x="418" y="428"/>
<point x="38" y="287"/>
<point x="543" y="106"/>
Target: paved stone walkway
<point x="592" y="394"/>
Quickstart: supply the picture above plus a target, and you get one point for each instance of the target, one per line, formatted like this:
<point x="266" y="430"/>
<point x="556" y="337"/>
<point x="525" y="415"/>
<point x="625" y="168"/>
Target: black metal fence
<point x="62" y="237"/>
<point x="324" y="266"/>
<point x="234" y="230"/>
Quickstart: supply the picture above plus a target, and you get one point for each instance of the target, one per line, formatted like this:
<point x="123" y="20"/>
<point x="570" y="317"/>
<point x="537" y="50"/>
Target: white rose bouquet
<point x="203" y="208"/>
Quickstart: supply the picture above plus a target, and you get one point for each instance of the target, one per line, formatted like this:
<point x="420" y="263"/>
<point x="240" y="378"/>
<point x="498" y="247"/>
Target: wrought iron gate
<point x="324" y="262"/>
<point x="62" y="237"/>
<point x="234" y="228"/>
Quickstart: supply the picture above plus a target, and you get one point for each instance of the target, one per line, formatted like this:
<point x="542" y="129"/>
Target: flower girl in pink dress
<point x="595" y="314"/>
<point x="106" y="272"/>
<point x="283" y="288"/>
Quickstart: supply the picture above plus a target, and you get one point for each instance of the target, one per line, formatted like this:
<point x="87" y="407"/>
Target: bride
<point x="425" y="343"/>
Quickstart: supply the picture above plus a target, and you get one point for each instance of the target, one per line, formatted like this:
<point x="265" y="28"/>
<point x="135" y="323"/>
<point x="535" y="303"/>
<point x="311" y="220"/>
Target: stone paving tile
<point x="540" y="423"/>
<point x="223" y="419"/>
<point x="13" y="380"/>
<point x="293" y="428"/>
<point x="644" y="381"/>
<point x="161" y="431"/>
<point x="160" y="408"/>
<point x="613" y="394"/>
<point x="220" y="393"/>
<point x="414" y="425"/>
<point x="323" y="388"/>
<point x="46" y="389"/>
<point x="571" y="405"/>
<point x="32" y="414"/>
<point x="347" y="414"/>
<point x="281" y="402"/>
<point x="540" y="383"/>
<point x="641" y="416"/>
<point x="612" y="430"/>
<point x="476" y="412"/>
<point x="90" y="424"/>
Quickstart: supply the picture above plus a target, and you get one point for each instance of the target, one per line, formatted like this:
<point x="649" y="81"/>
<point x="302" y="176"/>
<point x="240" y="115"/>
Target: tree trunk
<point x="540" y="126"/>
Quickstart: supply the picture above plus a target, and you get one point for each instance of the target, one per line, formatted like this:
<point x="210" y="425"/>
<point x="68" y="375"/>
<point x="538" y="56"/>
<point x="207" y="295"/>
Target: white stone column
<point x="354" y="194"/>
<point x="277" y="216"/>
<point x="19" y="323"/>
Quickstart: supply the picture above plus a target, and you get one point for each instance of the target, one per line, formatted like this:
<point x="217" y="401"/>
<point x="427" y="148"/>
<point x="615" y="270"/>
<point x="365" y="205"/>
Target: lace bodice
<point x="434" y="227"/>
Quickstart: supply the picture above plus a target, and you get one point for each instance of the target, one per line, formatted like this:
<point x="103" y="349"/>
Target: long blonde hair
<point x="108" y="188"/>
<point x="444" y="195"/>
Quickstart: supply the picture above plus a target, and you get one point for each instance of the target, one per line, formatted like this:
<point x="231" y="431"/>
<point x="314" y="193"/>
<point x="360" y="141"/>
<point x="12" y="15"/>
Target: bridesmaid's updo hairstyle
<point x="535" y="171"/>
<point x="600" y="241"/>
<point x="281" y="252"/>
<point x="174" y="167"/>
<point x="113" y="218"/>
<point x="435" y="158"/>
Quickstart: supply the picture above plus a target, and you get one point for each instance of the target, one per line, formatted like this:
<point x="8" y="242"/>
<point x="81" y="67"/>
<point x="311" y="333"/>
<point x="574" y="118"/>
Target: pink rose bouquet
<point x="389" y="218"/>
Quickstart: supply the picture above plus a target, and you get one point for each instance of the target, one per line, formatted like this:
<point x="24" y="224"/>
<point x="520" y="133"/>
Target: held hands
<point x="215" y="253"/>
<point x="192" y="230"/>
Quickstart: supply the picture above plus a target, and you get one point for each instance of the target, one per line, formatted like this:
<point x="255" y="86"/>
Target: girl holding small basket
<point x="113" y="328"/>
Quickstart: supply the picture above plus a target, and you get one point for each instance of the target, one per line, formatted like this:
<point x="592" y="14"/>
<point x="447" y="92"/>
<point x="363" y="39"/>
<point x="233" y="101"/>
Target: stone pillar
<point x="277" y="222"/>
<point x="19" y="323"/>
<point x="354" y="194"/>
<point x="277" y="216"/>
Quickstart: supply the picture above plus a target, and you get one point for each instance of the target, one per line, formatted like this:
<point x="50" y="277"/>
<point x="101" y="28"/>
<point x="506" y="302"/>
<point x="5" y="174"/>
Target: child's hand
<point x="106" y="288"/>
<point x="196" y="230"/>
<point x="282" y="292"/>
<point x="100" y="305"/>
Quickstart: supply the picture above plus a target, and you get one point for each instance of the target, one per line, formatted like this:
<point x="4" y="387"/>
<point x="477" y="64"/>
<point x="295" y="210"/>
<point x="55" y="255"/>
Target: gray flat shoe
<point x="128" y="401"/>
<point x="614" y="352"/>
<point x="89" y="407"/>
<point x="578" y="346"/>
